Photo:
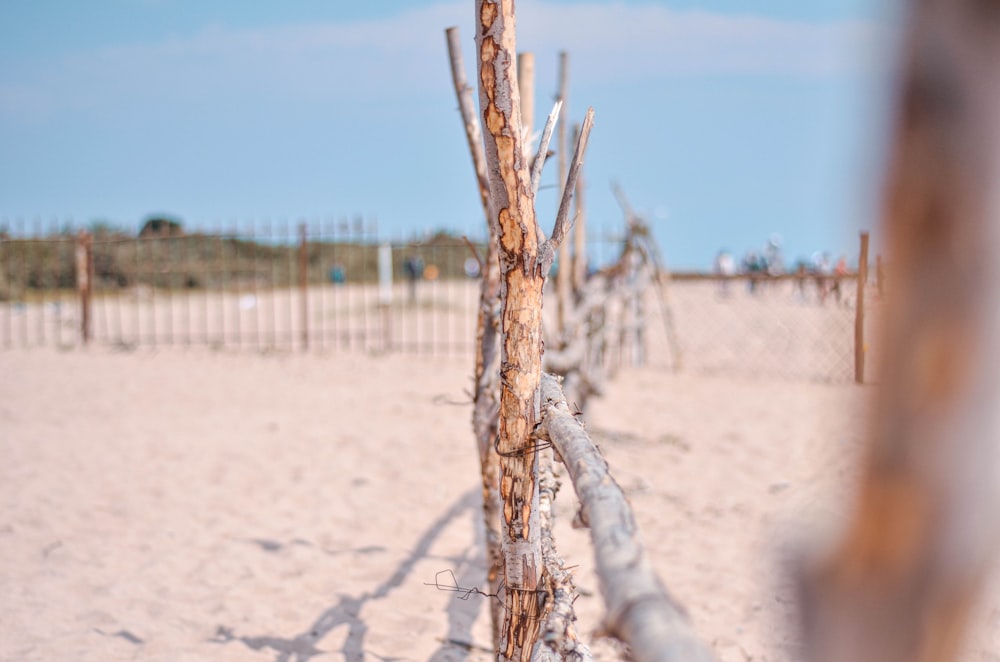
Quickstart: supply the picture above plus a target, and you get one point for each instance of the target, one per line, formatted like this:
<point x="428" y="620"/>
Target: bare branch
<point x="543" y="148"/>
<point x="539" y="162"/>
<point x="473" y="133"/>
<point x="562" y="226"/>
<point x="640" y="611"/>
<point x="486" y="376"/>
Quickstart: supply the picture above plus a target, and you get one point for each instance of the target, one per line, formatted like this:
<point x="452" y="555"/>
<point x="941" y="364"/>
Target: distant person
<point x="801" y="273"/>
<point x="774" y="261"/>
<point x="754" y="267"/>
<point x="725" y="269"/>
<point x="338" y="275"/>
<point x="823" y="271"/>
<point x="413" y="267"/>
<point x="839" y="273"/>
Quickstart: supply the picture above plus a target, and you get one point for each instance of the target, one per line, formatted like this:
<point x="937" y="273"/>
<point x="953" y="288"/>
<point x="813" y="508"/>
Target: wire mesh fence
<point x="788" y="328"/>
<point x="339" y="286"/>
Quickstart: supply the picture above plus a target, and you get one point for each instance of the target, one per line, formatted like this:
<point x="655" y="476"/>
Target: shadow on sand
<point x="455" y="645"/>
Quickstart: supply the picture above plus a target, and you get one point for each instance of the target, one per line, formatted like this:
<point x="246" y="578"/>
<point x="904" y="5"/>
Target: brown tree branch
<point x="466" y="107"/>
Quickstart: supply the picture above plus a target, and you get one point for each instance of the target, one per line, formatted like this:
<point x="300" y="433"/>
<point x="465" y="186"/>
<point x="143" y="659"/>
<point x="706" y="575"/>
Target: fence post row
<point x="84" y="280"/>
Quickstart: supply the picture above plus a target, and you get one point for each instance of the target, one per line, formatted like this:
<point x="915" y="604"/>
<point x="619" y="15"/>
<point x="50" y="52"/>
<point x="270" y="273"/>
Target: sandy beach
<point x="196" y="504"/>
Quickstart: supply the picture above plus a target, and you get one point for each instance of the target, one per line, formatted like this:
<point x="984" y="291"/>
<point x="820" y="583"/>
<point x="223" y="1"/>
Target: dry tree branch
<point x="543" y="149"/>
<point x="486" y="375"/>
<point x="539" y="162"/>
<point x="640" y="611"/>
<point x="473" y="134"/>
<point x="562" y="225"/>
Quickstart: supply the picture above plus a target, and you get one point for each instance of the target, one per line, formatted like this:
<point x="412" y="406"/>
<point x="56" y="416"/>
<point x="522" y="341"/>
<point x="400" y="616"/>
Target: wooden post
<point x="486" y="397"/>
<point x="521" y="281"/>
<point x="304" y="285"/>
<point x="564" y="277"/>
<point x="579" y="232"/>
<point x="859" y="313"/>
<point x="84" y="278"/>
<point x="919" y="543"/>
<point x="385" y="293"/>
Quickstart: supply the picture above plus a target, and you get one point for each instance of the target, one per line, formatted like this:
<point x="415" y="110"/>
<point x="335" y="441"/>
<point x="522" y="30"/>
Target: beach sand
<point x="191" y="504"/>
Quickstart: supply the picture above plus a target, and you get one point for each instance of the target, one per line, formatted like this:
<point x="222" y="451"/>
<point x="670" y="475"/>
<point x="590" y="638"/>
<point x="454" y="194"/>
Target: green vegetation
<point x="168" y="258"/>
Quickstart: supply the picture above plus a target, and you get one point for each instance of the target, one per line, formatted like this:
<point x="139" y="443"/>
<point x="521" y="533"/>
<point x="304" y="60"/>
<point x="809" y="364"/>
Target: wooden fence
<point x="317" y="287"/>
<point x="264" y="288"/>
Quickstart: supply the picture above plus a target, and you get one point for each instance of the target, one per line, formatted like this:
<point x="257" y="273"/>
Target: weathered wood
<point x="486" y="396"/>
<point x="543" y="148"/>
<point x="558" y="639"/>
<point x="84" y="280"/>
<point x="859" y="312"/>
<point x="922" y="535"/>
<point x="640" y="611"/>
<point x="304" y="286"/>
<point x="565" y="273"/>
<point x="563" y="224"/>
<point x="644" y="242"/>
<point x="521" y="282"/>
<point x="467" y="108"/>
<point x="580" y="260"/>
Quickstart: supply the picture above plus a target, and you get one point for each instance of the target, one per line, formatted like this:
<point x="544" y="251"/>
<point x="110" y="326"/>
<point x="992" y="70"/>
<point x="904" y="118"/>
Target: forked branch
<point x="562" y="225"/>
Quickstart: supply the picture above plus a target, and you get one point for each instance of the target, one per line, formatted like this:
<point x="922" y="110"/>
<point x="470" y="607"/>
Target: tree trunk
<point x="521" y="281"/>
<point x="487" y="389"/>
<point x="922" y="536"/>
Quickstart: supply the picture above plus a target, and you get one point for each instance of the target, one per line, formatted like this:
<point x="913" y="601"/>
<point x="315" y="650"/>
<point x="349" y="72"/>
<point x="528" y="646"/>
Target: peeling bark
<point x="521" y="281"/>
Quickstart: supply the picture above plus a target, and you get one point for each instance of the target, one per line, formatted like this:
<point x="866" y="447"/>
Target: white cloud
<point x="613" y="41"/>
<point x="402" y="55"/>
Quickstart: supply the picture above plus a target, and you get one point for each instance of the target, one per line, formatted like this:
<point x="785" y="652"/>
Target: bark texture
<point x="521" y="281"/>
<point x="901" y="582"/>
<point x="486" y="396"/>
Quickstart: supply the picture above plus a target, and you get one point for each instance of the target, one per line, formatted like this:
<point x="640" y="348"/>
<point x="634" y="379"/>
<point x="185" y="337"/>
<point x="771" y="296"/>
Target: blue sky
<point x="724" y="121"/>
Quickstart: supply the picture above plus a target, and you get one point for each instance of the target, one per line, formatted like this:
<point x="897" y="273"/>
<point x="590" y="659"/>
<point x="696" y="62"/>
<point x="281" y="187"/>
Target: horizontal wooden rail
<point x="640" y="612"/>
